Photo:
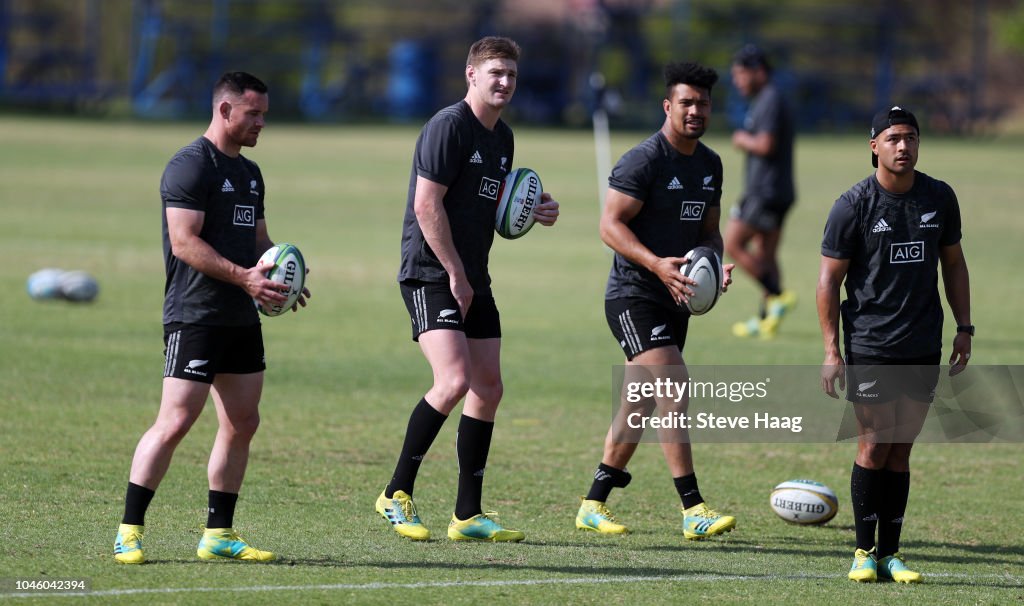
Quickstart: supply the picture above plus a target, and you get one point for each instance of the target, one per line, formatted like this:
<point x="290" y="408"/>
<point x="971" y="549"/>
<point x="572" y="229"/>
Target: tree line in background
<point x="333" y="60"/>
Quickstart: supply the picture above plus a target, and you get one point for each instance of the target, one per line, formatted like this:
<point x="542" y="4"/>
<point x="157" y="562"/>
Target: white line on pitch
<point x="508" y="583"/>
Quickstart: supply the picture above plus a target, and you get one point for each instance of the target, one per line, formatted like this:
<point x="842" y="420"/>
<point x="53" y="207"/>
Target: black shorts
<point x="197" y="353"/>
<point x="639" y="325"/>
<point x="874" y="379"/>
<point x="760" y="213"/>
<point x="432" y="306"/>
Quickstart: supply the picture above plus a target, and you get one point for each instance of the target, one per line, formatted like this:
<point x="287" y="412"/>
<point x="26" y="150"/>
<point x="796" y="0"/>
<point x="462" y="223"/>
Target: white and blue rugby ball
<point x="703" y="266"/>
<point x="804" y="502"/>
<point x="78" y="286"/>
<point x="289" y="269"/>
<point x="519" y="196"/>
<point x="44" y="284"/>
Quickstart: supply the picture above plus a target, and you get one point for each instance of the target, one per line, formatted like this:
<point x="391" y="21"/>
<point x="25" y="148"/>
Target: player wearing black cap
<point x="754" y="231"/>
<point x="886" y="237"/>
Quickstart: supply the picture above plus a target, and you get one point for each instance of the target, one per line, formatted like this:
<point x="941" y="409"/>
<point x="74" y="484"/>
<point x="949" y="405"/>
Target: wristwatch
<point x="967" y="328"/>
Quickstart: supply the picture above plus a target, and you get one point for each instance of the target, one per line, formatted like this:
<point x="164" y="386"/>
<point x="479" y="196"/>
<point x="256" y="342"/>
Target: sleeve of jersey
<point x="951" y="233"/>
<point x="839" y="241"/>
<point x="437" y="155"/>
<point x="631" y="175"/>
<point x="183" y="184"/>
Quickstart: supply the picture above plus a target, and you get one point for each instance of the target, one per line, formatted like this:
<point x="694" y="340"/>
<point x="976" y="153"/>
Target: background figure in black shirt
<point x="213" y="234"/>
<point x="461" y="157"/>
<point x="886" y="237"/>
<point x="754" y="231"/>
<point x="664" y="198"/>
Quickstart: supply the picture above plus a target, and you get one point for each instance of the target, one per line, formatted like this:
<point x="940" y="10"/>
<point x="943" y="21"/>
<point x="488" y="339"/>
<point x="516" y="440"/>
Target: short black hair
<point x="752" y="57"/>
<point x="237" y="83"/>
<point x="691" y="74"/>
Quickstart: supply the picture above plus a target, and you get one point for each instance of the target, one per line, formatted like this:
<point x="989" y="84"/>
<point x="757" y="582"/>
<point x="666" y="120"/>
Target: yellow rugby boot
<point x="482" y="528"/>
<point x="594" y="515"/>
<point x="225" y="544"/>
<point x="864" y="568"/>
<point x="128" y="545"/>
<point x="700" y="521"/>
<point x="400" y="511"/>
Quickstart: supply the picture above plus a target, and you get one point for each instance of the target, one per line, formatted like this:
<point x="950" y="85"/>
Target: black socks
<point x="472" y="446"/>
<point x="424" y="424"/>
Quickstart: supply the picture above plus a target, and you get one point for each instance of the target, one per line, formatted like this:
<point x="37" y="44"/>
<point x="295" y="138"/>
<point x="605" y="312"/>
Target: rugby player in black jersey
<point x="462" y="155"/>
<point x="664" y="198"/>
<point x="886" y="238"/>
<point x="214" y="231"/>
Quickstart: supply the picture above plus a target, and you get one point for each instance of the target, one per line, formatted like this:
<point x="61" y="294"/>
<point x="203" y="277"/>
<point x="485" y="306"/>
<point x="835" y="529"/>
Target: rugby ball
<point x="289" y="269"/>
<point x="704" y="267"/>
<point x="44" y="284"/>
<point x="519" y="195"/>
<point x="77" y="286"/>
<point x="804" y="502"/>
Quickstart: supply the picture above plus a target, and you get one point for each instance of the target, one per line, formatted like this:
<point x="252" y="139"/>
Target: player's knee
<point x="451" y="388"/>
<point x="899" y="457"/>
<point x="873" y="455"/>
<point x="172" y="429"/>
<point x="246" y="426"/>
<point x="489" y="391"/>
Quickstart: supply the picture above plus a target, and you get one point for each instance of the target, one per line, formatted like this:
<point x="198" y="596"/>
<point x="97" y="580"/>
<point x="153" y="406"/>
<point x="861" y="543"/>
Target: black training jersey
<point x="771" y="177"/>
<point x="230" y="193"/>
<point x="456" y="150"/>
<point x="892" y="305"/>
<point x="677" y="191"/>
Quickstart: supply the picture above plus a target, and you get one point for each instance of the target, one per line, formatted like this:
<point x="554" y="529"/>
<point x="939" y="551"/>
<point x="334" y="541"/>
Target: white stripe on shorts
<point x="629" y="330"/>
<point x="172" y="352"/>
<point x="419" y="302"/>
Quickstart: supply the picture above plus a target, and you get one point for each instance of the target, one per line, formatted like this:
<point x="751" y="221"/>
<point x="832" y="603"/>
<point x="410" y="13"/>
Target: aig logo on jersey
<point x="906" y="252"/>
<point x="692" y="211"/>
<point x="245" y="215"/>
<point x="489" y="188"/>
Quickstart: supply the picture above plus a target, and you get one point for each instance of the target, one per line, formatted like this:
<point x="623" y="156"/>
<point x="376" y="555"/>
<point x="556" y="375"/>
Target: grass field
<point x="79" y="385"/>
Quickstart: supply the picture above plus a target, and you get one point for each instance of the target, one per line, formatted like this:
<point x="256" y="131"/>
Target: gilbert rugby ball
<point x="519" y="195"/>
<point x="804" y="502"/>
<point x="705" y="268"/>
<point x="289" y="269"/>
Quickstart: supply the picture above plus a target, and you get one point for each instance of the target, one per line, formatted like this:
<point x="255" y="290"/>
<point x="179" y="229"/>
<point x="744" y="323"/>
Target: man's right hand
<point x="266" y="292"/>
<point x="831" y="369"/>
<point x="462" y="291"/>
<point x="667" y="270"/>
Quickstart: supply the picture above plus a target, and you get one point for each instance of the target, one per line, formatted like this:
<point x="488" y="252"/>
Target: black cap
<point x="890" y="117"/>
<point x="751" y="56"/>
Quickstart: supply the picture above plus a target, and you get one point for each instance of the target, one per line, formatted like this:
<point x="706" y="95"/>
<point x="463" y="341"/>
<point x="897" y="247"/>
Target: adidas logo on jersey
<point x="475" y="158"/>
<point x="675" y="184"/>
<point x="227" y="186"/>
<point x="880" y="227"/>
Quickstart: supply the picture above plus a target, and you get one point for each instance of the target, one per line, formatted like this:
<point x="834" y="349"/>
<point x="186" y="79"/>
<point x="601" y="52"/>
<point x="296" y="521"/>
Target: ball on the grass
<point x="804" y="502"/>
<point x="78" y="286"/>
<point x="44" y="284"/>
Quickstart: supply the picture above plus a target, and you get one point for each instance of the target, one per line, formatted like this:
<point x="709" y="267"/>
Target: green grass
<point x="80" y="384"/>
